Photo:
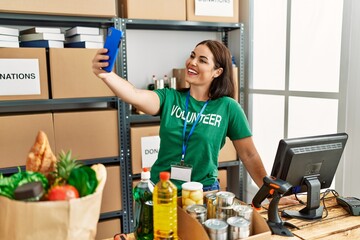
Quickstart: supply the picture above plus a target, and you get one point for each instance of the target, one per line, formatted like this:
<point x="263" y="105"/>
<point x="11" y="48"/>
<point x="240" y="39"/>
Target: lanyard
<point x="186" y="139"/>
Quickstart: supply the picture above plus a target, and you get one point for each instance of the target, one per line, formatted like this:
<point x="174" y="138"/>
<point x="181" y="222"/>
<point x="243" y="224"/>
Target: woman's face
<point x="200" y="67"/>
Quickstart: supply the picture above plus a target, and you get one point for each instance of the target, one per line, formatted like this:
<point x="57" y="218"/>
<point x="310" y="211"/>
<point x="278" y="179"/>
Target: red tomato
<point x="63" y="192"/>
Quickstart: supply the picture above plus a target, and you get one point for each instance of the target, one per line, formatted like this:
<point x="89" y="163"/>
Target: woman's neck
<point x="199" y="94"/>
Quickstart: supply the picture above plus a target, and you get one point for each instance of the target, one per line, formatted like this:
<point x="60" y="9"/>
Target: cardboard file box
<point x="106" y="229"/>
<point x="71" y="74"/>
<point x="89" y="134"/>
<point x="18" y="134"/>
<point x="26" y="53"/>
<point x="179" y="74"/>
<point x="136" y="133"/>
<point x="228" y="152"/>
<point x="112" y="197"/>
<point x="103" y="8"/>
<point x="154" y="9"/>
<point x="190" y="13"/>
<point x="223" y="179"/>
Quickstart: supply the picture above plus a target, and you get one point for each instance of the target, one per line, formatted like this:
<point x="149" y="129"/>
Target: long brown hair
<point x="223" y="85"/>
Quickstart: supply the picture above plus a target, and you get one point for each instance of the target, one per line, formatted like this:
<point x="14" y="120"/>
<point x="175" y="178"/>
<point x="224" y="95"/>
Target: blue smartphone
<point x="112" y="44"/>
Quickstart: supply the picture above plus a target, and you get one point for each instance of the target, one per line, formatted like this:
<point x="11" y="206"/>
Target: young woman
<point x="193" y="122"/>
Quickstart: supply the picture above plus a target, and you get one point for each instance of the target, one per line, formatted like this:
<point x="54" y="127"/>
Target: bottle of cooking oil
<point x="165" y="208"/>
<point x="143" y="220"/>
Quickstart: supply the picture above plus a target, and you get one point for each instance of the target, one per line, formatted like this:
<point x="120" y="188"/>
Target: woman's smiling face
<point x="200" y="67"/>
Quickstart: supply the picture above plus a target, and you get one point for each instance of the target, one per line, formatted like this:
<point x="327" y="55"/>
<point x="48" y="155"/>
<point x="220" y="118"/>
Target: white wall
<point x="159" y="51"/>
<point x="347" y="181"/>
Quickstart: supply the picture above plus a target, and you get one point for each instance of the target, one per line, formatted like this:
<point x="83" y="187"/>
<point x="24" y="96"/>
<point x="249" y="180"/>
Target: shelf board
<point x="11" y="170"/>
<point x="53" y="20"/>
<point x="109" y="215"/>
<point x="107" y="160"/>
<point x="179" y="25"/>
<point x="54" y="104"/>
<point x="229" y="164"/>
<point x="143" y="118"/>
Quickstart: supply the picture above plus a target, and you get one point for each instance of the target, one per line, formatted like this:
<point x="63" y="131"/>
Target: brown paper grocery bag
<point x="56" y="220"/>
<point x="64" y="220"/>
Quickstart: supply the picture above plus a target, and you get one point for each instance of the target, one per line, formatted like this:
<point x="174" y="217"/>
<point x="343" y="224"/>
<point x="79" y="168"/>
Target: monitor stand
<point x="313" y="210"/>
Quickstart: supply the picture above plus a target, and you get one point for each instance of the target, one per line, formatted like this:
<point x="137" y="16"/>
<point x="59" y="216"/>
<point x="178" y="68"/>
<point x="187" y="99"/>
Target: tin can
<point x="217" y="229"/>
<point x="210" y="201"/>
<point x="239" y="228"/>
<point x="198" y="212"/>
<point x="172" y="82"/>
<point x="225" y="199"/>
<point x="159" y="84"/>
<point x="244" y="211"/>
<point x="224" y="213"/>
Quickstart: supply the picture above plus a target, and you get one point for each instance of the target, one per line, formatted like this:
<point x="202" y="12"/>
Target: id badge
<point x="181" y="172"/>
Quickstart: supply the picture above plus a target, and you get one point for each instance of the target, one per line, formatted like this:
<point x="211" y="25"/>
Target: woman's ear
<point x="218" y="72"/>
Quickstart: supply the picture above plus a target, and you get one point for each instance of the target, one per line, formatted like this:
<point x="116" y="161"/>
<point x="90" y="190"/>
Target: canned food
<point x="198" y="212"/>
<point x="244" y="211"/>
<point x="159" y="84"/>
<point x="192" y="193"/>
<point x="239" y="228"/>
<point x="173" y="82"/>
<point x="224" y="213"/>
<point x="225" y="199"/>
<point x="217" y="229"/>
<point x="210" y="201"/>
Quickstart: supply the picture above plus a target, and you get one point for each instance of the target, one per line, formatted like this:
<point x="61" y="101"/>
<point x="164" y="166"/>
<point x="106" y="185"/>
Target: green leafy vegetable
<point x="84" y="180"/>
<point x="9" y="184"/>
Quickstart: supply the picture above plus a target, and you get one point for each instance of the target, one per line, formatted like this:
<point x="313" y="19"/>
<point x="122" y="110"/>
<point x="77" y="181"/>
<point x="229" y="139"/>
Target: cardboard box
<point x="106" y="229"/>
<point x="71" y="74"/>
<point x="154" y="9"/>
<point x="228" y="152"/>
<point x="136" y="133"/>
<point x="260" y="229"/>
<point x="104" y="8"/>
<point x="28" y="53"/>
<point x="223" y="179"/>
<point x="112" y="197"/>
<point x="179" y="73"/>
<point x="190" y="13"/>
<point x="18" y="134"/>
<point x="89" y="134"/>
<point x="236" y="83"/>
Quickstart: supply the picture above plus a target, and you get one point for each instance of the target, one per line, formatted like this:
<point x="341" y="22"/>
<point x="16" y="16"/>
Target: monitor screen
<point x="309" y="165"/>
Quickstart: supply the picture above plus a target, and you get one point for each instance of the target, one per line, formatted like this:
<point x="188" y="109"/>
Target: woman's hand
<point x="288" y="200"/>
<point x="120" y="236"/>
<point x="99" y="62"/>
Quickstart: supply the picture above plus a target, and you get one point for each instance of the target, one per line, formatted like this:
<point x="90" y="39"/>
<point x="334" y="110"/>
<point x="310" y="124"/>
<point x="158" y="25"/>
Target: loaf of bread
<point x="41" y="158"/>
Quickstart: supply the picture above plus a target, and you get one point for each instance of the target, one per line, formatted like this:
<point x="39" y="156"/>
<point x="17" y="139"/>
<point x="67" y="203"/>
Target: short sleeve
<point x="238" y="124"/>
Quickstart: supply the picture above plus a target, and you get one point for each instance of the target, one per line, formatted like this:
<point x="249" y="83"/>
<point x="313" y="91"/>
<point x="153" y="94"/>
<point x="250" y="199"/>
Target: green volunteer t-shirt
<point x="222" y="117"/>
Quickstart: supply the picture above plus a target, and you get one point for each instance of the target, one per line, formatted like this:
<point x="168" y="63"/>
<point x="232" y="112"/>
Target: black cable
<point x="335" y="193"/>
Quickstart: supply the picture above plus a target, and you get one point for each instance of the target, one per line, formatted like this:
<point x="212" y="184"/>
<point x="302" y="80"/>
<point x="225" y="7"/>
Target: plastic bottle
<point x="165" y="208"/>
<point x="143" y="193"/>
<point x="151" y="86"/>
<point x="166" y="81"/>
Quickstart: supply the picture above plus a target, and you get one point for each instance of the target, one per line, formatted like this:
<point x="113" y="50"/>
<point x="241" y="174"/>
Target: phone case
<point x="112" y="43"/>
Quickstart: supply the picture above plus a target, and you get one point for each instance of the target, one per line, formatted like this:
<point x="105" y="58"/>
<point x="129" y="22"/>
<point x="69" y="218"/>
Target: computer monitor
<point x="309" y="165"/>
